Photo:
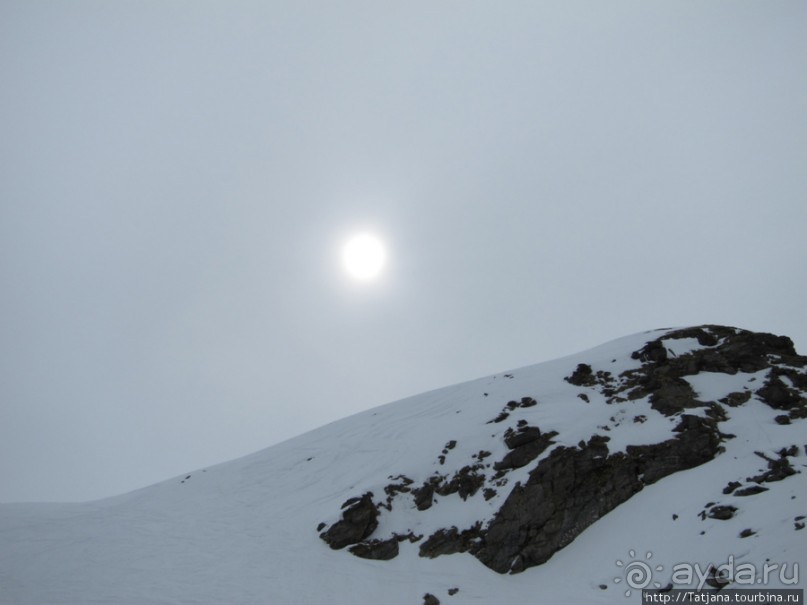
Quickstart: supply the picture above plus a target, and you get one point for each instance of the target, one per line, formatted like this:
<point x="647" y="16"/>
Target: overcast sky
<point x="177" y="179"/>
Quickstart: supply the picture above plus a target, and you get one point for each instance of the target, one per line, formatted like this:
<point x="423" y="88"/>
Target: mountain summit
<point x="669" y="451"/>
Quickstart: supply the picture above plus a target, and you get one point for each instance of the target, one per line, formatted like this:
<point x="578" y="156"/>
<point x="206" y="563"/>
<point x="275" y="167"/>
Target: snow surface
<point x="244" y="532"/>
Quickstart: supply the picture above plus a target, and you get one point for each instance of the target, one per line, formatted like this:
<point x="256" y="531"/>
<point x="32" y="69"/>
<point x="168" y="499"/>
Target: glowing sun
<point x="364" y="256"/>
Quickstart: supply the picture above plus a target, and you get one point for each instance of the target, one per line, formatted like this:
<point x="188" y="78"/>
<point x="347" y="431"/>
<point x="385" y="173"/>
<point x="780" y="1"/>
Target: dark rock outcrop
<point x="393" y="489"/>
<point x="751" y="490"/>
<point x="728" y="351"/>
<point x="778" y="468"/>
<point x="722" y="512"/>
<point x="574" y="487"/>
<point x="731" y="487"/>
<point x="380" y="550"/>
<point x="465" y="482"/>
<point x="521" y="436"/>
<point x="569" y="490"/>
<point x="424" y="496"/>
<point x="510" y="406"/>
<point x="777" y="394"/>
<point x="525" y="445"/>
<point x="359" y="520"/>
<point x="698" y="441"/>
<point x="450" y="541"/>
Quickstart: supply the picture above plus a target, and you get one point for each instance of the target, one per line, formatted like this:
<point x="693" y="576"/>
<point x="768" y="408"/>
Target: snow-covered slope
<point x="248" y="531"/>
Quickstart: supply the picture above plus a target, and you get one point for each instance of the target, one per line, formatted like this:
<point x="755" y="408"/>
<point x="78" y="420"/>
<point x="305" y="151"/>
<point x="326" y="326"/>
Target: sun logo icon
<point x="638" y="574"/>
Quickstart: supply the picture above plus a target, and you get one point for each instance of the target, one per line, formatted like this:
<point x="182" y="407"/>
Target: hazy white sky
<point x="177" y="178"/>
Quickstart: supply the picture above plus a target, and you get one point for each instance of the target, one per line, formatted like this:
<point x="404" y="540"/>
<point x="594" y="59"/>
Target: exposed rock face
<point x="698" y="441"/>
<point x="381" y="550"/>
<point x="450" y="541"/>
<point x="661" y="376"/>
<point x="566" y="493"/>
<point x="424" y="496"/>
<point x="778" y="468"/>
<point x="573" y="487"/>
<point x="525" y="445"/>
<point x="359" y="520"/>
<point x="583" y="376"/>
<point x="568" y="488"/>
<point x="465" y="482"/>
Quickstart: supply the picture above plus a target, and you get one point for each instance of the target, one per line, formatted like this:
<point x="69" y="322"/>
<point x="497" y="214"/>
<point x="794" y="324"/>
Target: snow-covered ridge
<point x="545" y="476"/>
<point x="480" y="457"/>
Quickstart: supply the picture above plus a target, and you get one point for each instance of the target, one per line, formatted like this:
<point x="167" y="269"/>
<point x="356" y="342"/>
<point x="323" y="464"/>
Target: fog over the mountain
<point x="177" y="179"/>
